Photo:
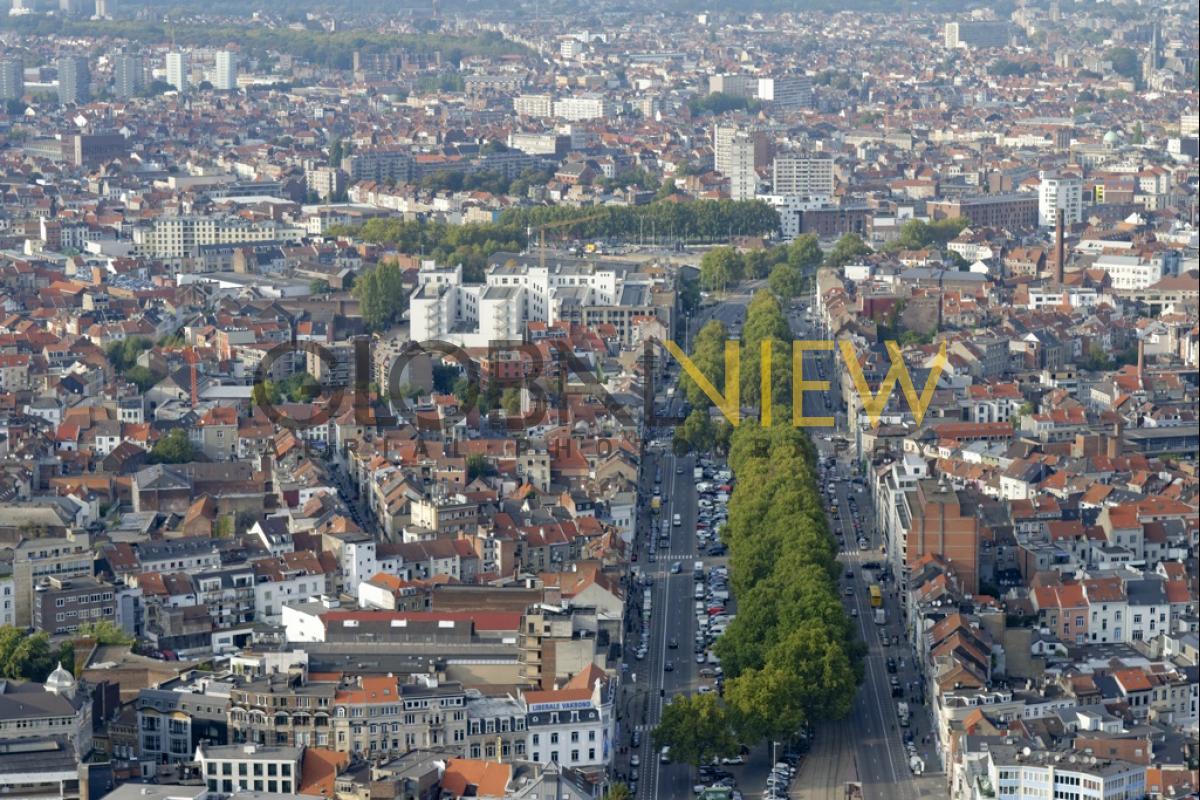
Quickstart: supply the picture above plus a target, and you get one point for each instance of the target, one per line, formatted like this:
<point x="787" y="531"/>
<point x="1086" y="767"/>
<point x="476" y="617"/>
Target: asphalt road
<point x="650" y="686"/>
<point x="868" y="746"/>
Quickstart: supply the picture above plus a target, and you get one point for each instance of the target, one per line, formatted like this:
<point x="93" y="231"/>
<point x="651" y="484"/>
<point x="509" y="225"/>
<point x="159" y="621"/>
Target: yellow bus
<point x="876" y="596"/>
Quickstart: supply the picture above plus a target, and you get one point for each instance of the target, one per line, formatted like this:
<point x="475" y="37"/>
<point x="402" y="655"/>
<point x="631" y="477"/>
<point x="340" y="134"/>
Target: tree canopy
<point x="105" y="632"/>
<point x="173" y="448"/>
<point x="123" y="354"/>
<point x="790" y="656"/>
<point x="917" y="234"/>
<point x="720" y="103"/>
<point x="485" y="181"/>
<point x="300" y="387"/>
<point x="697" y="728"/>
<point x="786" y="281"/>
<point x="724" y="267"/>
<point x="847" y="249"/>
<point x="478" y="466"/>
<point x="701" y="434"/>
<point x="708" y="354"/>
<point x="382" y="298"/>
<point x="696" y="220"/>
<point x="766" y="321"/>
<point x="469" y="245"/>
<point x="720" y="268"/>
<point x="31" y="657"/>
<point x="1124" y="61"/>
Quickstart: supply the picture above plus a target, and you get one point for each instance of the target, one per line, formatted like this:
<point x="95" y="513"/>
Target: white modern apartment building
<point x="179" y="69"/>
<point x="736" y="84"/>
<point x="1136" y="272"/>
<point x="12" y="79"/>
<point x="1020" y="773"/>
<point x="179" y="237"/>
<point x="570" y="48"/>
<point x="802" y="175"/>
<point x="743" y="178"/>
<point x="127" y="74"/>
<point x="723" y="136"/>
<point x="584" y="106"/>
<point x="225" y="71"/>
<point x="442" y="307"/>
<point x="1059" y="190"/>
<point x="790" y="208"/>
<point x="791" y="91"/>
<point x="533" y="105"/>
<point x="446" y="309"/>
<point x="250" y="768"/>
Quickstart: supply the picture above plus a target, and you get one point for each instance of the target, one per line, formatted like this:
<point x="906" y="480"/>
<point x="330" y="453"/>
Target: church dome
<point x="60" y="681"/>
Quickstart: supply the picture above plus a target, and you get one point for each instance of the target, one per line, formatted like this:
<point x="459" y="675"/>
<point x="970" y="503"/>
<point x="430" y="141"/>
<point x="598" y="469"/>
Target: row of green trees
<point x="700" y="433"/>
<point x="790" y="656"/>
<point x="765" y="321"/>
<point x="469" y="245"/>
<point x="698" y="220"/>
<point x="786" y="266"/>
<point x="472" y="245"/>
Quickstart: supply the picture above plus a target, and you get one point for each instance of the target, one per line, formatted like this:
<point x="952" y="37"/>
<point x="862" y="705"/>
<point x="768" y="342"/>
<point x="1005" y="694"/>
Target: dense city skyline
<point x="599" y="401"/>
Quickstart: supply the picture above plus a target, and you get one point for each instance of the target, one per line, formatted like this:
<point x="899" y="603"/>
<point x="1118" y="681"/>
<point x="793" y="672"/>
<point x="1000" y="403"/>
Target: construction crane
<point x="190" y="358"/>
<point x="562" y="223"/>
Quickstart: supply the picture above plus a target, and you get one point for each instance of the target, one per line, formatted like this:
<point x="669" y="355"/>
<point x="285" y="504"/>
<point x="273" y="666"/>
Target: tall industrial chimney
<point x="1141" y="362"/>
<point x="1060" y="253"/>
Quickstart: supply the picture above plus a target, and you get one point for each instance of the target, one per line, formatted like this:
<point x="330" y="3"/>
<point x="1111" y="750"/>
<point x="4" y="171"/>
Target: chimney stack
<point x="1141" y="362"/>
<point x="1059" y="250"/>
